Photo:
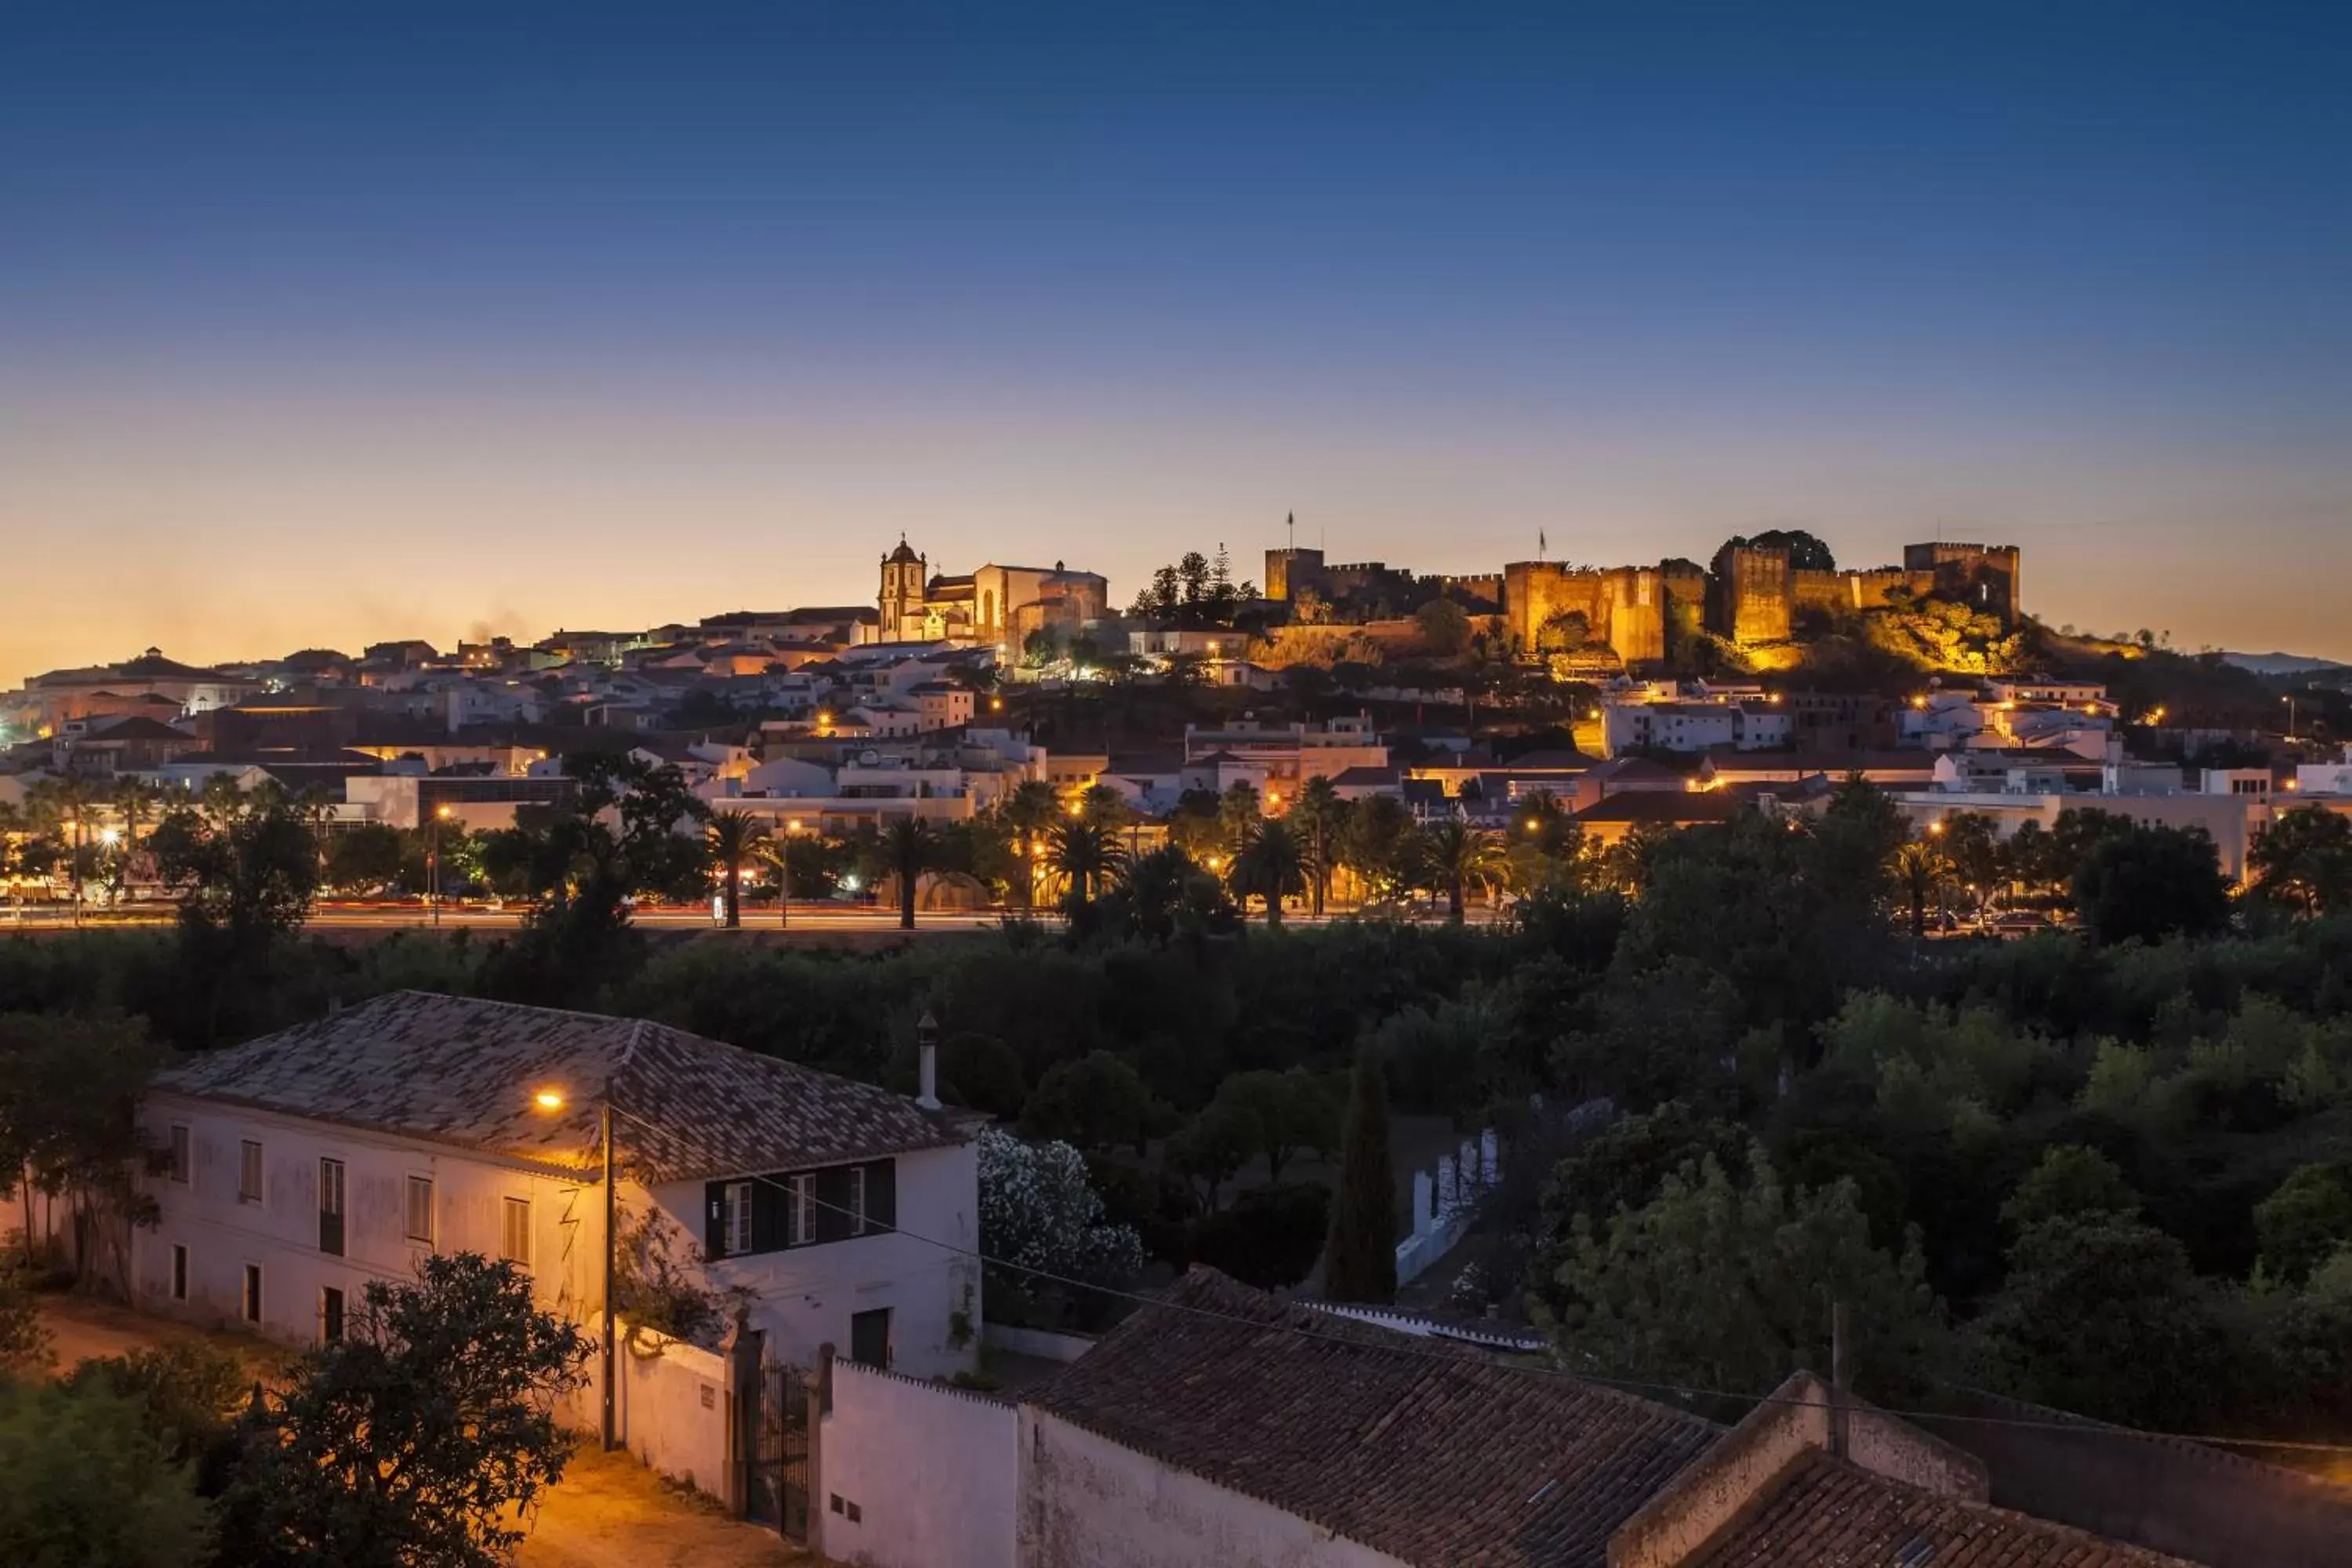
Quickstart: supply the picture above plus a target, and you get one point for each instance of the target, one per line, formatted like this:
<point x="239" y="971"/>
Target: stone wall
<point x="1750" y="599"/>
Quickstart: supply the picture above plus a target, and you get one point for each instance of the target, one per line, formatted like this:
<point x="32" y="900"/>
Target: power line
<point x="1458" y="1358"/>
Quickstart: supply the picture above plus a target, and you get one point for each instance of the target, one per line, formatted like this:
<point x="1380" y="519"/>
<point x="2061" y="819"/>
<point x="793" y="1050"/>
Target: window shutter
<point x="882" y="1195"/>
<point x="714" y="1220"/>
<point x="832" y="1194"/>
<point x="769" y="1203"/>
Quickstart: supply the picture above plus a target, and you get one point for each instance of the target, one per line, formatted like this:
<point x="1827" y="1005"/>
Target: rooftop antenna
<point x="1542" y="545"/>
<point x="1292" y="524"/>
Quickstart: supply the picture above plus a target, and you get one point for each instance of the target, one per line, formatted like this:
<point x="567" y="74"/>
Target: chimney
<point x="927" y="1061"/>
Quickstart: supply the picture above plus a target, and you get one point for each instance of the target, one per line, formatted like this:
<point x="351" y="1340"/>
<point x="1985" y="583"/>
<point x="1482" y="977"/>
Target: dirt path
<point x="612" y="1512"/>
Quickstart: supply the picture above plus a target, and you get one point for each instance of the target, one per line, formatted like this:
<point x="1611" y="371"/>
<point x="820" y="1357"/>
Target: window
<point x="331" y="1316"/>
<point x="179" y="1272"/>
<point x="737" y="1227"/>
<point x="800" y="1210"/>
<point x="514" y="1231"/>
<point x="420" y="1209"/>
<point x="182" y="1165"/>
<point x="330" y="1207"/>
<point x="248" y="1173"/>
<point x="869" y="1337"/>
<point x="251" y="1306"/>
<point x="857" y="1204"/>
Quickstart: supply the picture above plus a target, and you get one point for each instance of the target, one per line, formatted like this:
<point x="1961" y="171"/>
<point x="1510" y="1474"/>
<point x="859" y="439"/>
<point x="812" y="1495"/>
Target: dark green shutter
<point x="768" y="1204"/>
<point x="882" y="1195"/>
<point x="833" y="1195"/>
<point x="714" y="1220"/>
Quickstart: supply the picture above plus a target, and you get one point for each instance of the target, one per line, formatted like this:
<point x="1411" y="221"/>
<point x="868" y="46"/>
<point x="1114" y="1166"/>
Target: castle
<point x="1002" y="606"/>
<point x="1750" y="593"/>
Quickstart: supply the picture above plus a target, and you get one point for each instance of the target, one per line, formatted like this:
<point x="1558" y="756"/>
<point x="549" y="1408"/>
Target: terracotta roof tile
<point x="1429" y="1453"/>
<point x="1826" y="1513"/>
<point x="461" y="1071"/>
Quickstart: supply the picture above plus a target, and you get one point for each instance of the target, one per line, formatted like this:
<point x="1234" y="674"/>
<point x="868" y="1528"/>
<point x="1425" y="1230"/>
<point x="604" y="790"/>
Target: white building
<point x="308" y="1162"/>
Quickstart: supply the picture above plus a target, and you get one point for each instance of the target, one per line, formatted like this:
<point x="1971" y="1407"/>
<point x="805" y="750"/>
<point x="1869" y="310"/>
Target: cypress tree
<point x="1361" y="1263"/>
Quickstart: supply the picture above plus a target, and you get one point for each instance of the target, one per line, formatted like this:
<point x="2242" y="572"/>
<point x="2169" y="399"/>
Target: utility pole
<point x="604" y="1126"/>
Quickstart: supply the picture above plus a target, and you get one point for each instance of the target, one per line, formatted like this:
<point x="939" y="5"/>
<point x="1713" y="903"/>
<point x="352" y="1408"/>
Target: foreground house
<point x="1222" y="1426"/>
<point x="308" y="1163"/>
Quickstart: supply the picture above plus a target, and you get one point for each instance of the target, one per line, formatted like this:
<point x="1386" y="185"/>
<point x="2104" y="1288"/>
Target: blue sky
<point x="321" y="324"/>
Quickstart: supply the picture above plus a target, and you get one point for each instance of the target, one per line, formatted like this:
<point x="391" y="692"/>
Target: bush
<point x="1271" y="1236"/>
<point x="84" y="1479"/>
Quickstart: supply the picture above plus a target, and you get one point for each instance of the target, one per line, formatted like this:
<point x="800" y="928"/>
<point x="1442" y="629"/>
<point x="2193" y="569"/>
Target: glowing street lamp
<point x="550" y="1099"/>
<point x="792" y="824"/>
<point x="441" y="813"/>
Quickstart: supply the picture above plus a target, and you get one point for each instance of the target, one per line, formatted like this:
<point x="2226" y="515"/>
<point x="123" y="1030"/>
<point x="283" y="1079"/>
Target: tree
<point x="1086" y="854"/>
<point x="1238" y="812"/>
<point x="421" y="1435"/>
<point x="1095" y="1102"/>
<point x="1457" y="858"/>
<point x="1286" y="1112"/>
<point x="1379" y="844"/>
<point x="69" y="1092"/>
<point x="1268" y="866"/>
<point x="2102" y="1314"/>
<point x="2304" y="859"/>
<point x="1360" y="1263"/>
<point x="1042" y="1218"/>
<point x="1319" y="817"/>
<point x="2149" y="881"/>
<point x="907" y="841"/>
<point x="1728" y="1285"/>
<point x="2306" y="1220"/>
<point x="1806" y="553"/>
<point x="24" y="1342"/>
<point x="1444" y="626"/>
<point x="1973" y="852"/>
<point x="1212" y="1148"/>
<point x="85" y="1479"/>
<point x="189" y="1396"/>
<point x="366" y="858"/>
<point x="2069" y="1179"/>
<point x="1920" y="867"/>
<point x="244" y="874"/>
<point x="734" y="837"/>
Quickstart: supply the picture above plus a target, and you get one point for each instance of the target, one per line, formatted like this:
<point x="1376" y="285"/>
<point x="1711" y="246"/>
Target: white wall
<point x="280" y="1233"/>
<point x="670" y="1408"/>
<point x="933" y="1472"/>
<point x="806" y="1295"/>
<point x="1087" y="1502"/>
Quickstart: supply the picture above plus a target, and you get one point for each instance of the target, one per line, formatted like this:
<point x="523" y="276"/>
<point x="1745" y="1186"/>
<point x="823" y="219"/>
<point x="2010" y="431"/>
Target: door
<point x="869" y="1339"/>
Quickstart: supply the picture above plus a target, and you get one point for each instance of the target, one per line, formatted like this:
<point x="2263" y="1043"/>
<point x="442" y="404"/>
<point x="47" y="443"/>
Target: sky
<point x="322" y="325"/>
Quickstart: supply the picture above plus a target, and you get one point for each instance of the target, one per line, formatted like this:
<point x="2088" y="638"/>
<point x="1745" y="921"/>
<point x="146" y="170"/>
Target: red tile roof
<point x="1827" y="1514"/>
<point x="1432" y="1454"/>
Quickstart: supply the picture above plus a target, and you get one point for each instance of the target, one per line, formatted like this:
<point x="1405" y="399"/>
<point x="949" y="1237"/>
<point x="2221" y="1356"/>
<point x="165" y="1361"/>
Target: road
<point x="409" y="917"/>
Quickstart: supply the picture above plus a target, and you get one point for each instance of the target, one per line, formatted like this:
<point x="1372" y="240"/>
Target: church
<point x="998" y="607"/>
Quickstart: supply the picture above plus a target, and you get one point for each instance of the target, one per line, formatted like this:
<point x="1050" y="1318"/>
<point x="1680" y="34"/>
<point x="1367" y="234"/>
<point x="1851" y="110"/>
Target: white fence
<point x="914" y="1475"/>
<point x="1445" y="1201"/>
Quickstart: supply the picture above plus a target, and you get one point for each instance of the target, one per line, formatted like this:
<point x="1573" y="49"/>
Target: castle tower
<point x="904" y="577"/>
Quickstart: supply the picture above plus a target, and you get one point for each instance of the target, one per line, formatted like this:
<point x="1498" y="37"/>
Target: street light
<point x="551" y="1099"/>
<point x="784" y="874"/>
<point x="441" y="813"/>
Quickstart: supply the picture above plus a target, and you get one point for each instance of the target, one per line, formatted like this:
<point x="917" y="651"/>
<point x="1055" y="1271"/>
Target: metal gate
<point x="779" y="1481"/>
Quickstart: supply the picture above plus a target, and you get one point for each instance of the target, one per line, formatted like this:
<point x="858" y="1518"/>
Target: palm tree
<point x="1269" y="865"/>
<point x="1921" y="868"/>
<point x="59" y="808"/>
<point x="139" y="802"/>
<point x="1377" y="843"/>
<point x="908" y="841"/>
<point x="1318" y="816"/>
<point x="1459" y="856"/>
<point x="1087" y="854"/>
<point x="1025" y="817"/>
<point x="733" y="837"/>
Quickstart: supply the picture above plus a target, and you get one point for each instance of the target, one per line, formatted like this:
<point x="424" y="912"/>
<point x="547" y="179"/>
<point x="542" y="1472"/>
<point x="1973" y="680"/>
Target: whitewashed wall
<point x="806" y="1295"/>
<point x="671" y="1409"/>
<point x="932" y="1473"/>
<point x="1088" y="1503"/>
<point x="280" y="1232"/>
